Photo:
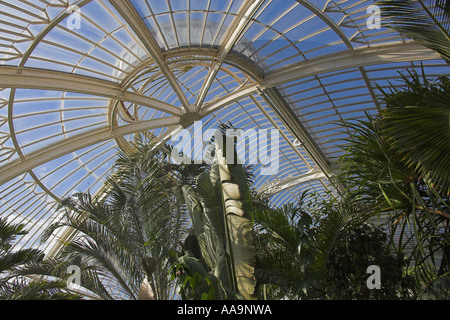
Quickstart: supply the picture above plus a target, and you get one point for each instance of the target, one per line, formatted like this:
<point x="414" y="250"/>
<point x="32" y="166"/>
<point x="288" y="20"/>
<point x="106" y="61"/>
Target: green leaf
<point x="426" y="21"/>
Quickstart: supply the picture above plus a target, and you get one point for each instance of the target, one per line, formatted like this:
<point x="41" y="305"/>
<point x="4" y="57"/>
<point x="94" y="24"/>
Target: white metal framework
<point x="79" y="78"/>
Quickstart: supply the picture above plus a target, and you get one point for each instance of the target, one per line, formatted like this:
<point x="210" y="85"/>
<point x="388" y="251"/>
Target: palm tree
<point x="378" y="177"/>
<point x="418" y="115"/>
<point x="320" y="249"/>
<point x="426" y="21"/>
<point x="25" y="274"/>
<point x="417" y="119"/>
<point x="284" y="256"/>
<point x="416" y="125"/>
<point x="294" y="243"/>
<point x="130" y="232"/>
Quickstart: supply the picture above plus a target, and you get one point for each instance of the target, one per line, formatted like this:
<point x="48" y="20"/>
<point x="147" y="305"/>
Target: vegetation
<point x="130" y="231"/>
<point x="321" y="249"/>
<point x="155" y="234"/>
<point x="380" y="172"/>
<point x="425" y="21"/>
<point x="219" y="248"/>
<point x="21" y="271"/>
<point x="159" y="231"/>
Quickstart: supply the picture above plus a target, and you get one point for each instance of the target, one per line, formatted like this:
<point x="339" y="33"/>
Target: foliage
<point x="129" y="232"/>
<point x="320" y="249"/>
<point x="135" y="234"/>
<point x="283" y="238"/>
<point x="185" y="219"/>
<point x="378" y="172"/>
<point x="220" y="206"/>
<point x="417" y="120"/>
<point x="294" y="242"/>
<point x="356" y="249"/>
<point x="195" y="282"/>
<point x="426" y="21"/>
<point x="21" y="271"/>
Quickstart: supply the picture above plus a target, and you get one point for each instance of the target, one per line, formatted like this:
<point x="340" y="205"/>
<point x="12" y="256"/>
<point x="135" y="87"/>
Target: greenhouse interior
<point x="224" y="150"/>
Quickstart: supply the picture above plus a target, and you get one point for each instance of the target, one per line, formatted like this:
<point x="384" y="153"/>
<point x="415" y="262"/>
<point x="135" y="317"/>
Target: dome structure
<point x="79" y="79"/>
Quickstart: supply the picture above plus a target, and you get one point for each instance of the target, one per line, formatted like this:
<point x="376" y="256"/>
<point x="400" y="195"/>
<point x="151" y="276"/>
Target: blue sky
<point x="285" y="33"/>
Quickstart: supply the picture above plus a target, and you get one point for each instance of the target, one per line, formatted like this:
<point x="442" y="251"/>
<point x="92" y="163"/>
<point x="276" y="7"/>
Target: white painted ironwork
<point x="69" y="97"/>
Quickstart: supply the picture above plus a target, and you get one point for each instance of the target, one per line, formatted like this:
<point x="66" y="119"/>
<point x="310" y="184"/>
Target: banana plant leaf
<point x="237" y="203"/>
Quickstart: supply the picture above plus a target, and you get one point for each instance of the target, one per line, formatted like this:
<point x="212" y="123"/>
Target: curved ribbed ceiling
<point x="78" y="79"/>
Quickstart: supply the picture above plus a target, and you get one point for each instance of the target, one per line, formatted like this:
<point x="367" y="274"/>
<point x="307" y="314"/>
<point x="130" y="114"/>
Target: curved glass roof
<point x="78" y="79"/>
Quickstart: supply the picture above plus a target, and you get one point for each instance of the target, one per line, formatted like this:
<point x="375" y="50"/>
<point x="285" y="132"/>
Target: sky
<point x="102" y="46"/>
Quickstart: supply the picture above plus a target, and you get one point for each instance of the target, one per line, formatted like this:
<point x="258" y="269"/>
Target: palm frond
<point x="345" y="213"/>
<point x="417" y="118"/>
<point x="8" y="232"/>
<point x="25" y="289"/>
<point x="25" y="273"/>
<point x="277" y="225"/>
<point x="426" y="21"/>
<point x="137" y="217"/>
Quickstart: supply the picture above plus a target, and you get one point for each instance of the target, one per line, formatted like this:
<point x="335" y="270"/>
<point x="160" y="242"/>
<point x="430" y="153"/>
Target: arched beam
<point x="31" y="78"/>
<point x="399" y="52"/>
<point x="54" y="80"/>
<point x="63" y="147"/>
<point x="276" y="186"/>
<point x="135" y="22"/>
<point x="336" y="28"/>
<point x="349" y="59"/>
<point x="233" y="34"/>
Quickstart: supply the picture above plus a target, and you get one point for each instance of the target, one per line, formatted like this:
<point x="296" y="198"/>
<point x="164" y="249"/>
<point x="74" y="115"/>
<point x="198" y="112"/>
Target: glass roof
<point x="78" y="79"/>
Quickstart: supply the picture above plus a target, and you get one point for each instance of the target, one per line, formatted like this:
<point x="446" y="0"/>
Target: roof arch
<point x="70" y="96"/>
